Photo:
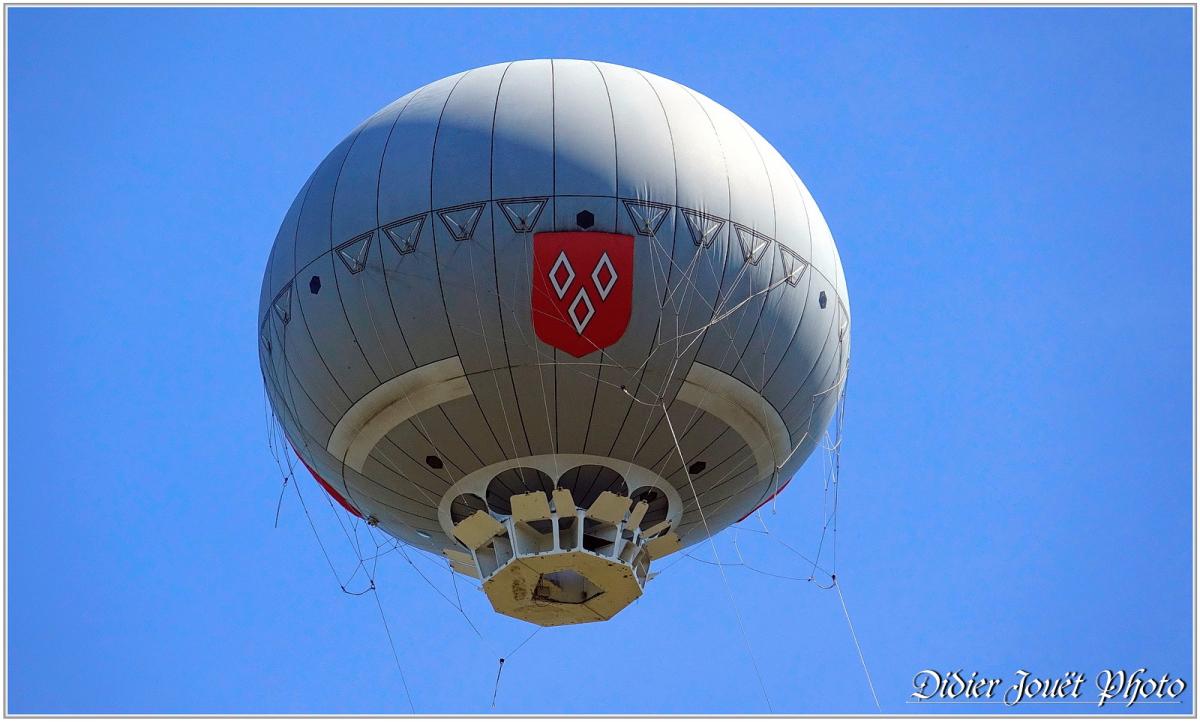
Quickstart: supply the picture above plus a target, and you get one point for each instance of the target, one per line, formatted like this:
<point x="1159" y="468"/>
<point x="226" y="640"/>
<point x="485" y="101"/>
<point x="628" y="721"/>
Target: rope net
<point x="687" y="319"/>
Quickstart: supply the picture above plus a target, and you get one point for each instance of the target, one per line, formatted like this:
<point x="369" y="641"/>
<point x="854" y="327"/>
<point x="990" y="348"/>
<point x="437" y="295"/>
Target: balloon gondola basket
<point x="552" y="563"/>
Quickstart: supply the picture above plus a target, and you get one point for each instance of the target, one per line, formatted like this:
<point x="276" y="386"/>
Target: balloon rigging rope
<point x="355" y="543"/>
<point x="275" y="431"/>
<point x="536" y="350"/>
<point x="724" y="578"/>
<point x="395" y="655"/>
<point x="379" y="339"/>
<point x="272" y="446"/>
<point x="694" y="336"/>
<point x="324" y="550"/>
<point x="833" y="451"/>
<point x="746" y="566"/>
<point x="279" y="504"/>
<point x="439" y="591"/>
<point x="512" y="439"/>
<point x="329" y="561"/>
<point x="719" y="314"/>
<point x="679" y="355"/>
<point x="833" y="459"/>
<point x="362" y="284"/>
<point x="397" y="545"/>
<point x="661" y="465"/>
<point x="505" y="658"/>
<point x="857" y="646"/>
<point x="419" y="422"/>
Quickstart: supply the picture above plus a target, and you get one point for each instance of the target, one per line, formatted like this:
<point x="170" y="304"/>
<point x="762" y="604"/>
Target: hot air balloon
<point x="554" y="320"/>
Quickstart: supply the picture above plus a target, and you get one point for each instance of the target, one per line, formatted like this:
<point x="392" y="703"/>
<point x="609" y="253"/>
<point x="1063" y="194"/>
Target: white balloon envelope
<point x="554" y="319"/>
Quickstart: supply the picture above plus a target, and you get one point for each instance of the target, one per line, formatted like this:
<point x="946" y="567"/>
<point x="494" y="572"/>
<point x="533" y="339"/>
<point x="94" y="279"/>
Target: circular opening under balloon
<point x="587" y="482"/>
<point x="465" y="505"/>
<point x="511" y="482"/>
<point x="656" y="500"/>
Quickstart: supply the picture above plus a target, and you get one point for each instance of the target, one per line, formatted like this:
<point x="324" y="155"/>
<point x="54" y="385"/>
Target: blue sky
<point x="1011" y="194"/>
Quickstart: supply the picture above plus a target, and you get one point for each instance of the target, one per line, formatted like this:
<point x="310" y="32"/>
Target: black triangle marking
<point x="404" y="234"/>
<point x="793" y="265"/>
<point x="461" y="221"/>
<point x="283" y="304"/>
<point x="354" y="252"/>
<point x="646" y="216"/>
<point x="754" y="244"/>
<point x="523" y="214"/>
<point x="704" y="228"/>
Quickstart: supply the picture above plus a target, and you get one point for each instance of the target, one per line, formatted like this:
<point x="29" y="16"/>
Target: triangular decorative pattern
<point x="461" y="222"/>
<point x="704" y="228"/>
<point x="646" y="217"/>
<point x="793" y="265"/>
<point x="264" y="334"/>
<point x="283" y="304"/>
<point x="354" y="252"/>
<point x="523" y="214"/>
<point x="405" y="233"/>
<point x="754" y="244"/>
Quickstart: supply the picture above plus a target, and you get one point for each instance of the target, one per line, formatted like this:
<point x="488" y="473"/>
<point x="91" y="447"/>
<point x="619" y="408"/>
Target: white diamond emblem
<point x="561" y="263"/>
<point x="604" y="288"/>
<point x="581" y="323"/>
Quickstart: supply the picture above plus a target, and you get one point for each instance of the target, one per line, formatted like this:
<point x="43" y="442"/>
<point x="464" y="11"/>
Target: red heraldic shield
<point x="582" y="289"/>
